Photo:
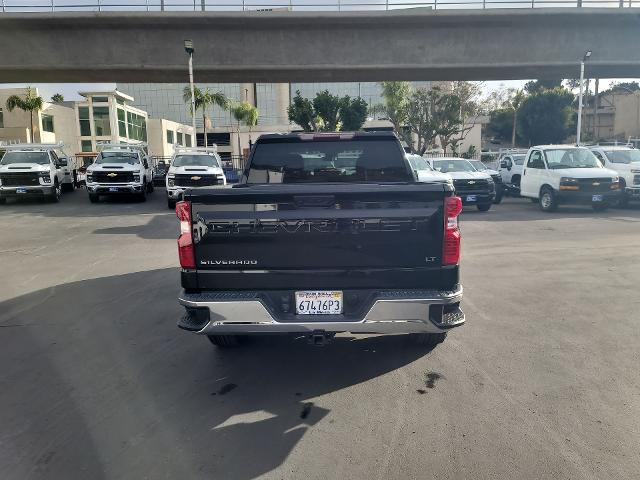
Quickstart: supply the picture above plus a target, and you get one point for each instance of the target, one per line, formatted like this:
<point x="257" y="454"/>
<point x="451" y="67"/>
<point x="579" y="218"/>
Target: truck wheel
<point x="225" y="341"/>
<point x="548" y="201"/>
<point x="427" y="339"/>
<point x="171" y="204"/>
<point x="484" y="207"/>
<point x="57" y="193"/>
<point x="499" y="195"/>
<point x="94" y="198"/>
<point x="142" y="196"/>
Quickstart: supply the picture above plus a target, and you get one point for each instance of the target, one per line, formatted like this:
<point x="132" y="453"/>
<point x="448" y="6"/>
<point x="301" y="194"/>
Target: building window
<point x="119" y="101"/>
<point x="1" y="119"/>
<point x="100" y="99"/>
<point x="170" y="137"/>
<point x="47" y="123"/>
<point x="137" y="127"/>
<point x="85" y="122"/>
<point x="180" y="138"/>
<point x="101" y="121"/>
<point x="122" y="123"/>
<point x="187" y="139"/>
<point x="85" y="146"/>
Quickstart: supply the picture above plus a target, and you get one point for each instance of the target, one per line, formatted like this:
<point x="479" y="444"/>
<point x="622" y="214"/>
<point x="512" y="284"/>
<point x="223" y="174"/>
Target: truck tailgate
<point x="319" y="236"/>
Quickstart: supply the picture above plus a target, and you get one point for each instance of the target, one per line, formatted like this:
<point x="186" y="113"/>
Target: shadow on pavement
<point x="160" y="227"/>
<point x="98" y="382"/>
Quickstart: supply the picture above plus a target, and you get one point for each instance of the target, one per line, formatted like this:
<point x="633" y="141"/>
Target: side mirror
<point x="145" y="163"/>
<point x="503" y="164"/>
<point x="62" y="162"/>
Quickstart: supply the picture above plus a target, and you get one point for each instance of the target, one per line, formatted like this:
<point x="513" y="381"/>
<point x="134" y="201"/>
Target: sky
<point x="70" y="90"/>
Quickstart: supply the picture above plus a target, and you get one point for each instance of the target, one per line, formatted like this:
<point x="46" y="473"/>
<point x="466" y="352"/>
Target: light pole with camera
<point x="188" y="47"/>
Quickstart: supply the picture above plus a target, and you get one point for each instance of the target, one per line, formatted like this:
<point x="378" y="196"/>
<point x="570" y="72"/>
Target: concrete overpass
<point x="416" y="44"/>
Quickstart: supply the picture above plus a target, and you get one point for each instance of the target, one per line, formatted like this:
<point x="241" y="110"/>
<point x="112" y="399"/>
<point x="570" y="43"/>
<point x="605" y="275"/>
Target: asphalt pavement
<point x="97" y="382"/>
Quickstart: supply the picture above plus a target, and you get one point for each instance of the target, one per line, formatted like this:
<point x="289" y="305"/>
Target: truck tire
<point x="94" y="198"/>
<point x="484" y="207"/>
<point x="225" y="341"/>
<point x="429" y="340"/>
<point x="548" y="200"/>
<point x="142" y="196"/>
<point x="57" y="193"/>
<point x="499" y="195"/>
<point x="171" y="204"/>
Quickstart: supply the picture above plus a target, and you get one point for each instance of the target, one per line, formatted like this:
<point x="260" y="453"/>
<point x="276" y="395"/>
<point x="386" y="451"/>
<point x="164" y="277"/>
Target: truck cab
<point x="193" y="167"/>
<point x="510" y="168"/>
<point x="423" y="170"/>
<point x="35" y="169"/>
<point x="567" y="174"/>
<point x="120" y="169"/>
<point x="624" y="160"/>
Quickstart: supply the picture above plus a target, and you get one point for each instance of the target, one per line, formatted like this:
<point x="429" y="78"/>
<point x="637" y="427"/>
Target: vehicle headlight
<point x="615" y="183"/>
<point x="568" y="183"/>
<point x="615" y="179"/>
<point x="136" y="178"/>
<point x="46" y="177"/>
<point x="171" y="182"/>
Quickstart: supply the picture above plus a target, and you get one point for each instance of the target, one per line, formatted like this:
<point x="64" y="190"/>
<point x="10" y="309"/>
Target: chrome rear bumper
<point x="419" y="311"/>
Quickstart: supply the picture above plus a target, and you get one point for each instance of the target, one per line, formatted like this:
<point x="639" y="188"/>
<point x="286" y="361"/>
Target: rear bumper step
<point x="391" y="311"/>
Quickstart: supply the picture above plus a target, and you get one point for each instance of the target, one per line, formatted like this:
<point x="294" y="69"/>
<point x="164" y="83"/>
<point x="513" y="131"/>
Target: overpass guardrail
<point x="42" y="6"/>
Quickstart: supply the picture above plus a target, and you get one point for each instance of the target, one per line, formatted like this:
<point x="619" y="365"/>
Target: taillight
<point x="451" y="243"/>
<point x="185" y="241"/>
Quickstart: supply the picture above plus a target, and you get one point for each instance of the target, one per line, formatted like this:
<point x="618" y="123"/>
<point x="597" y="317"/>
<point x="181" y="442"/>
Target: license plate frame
<point x="21" y="190"/>
<point x="472" y="198"/>
<point x="319" y="302"/>
<point x="597" y="198"/>
<point x="113" y="189"/>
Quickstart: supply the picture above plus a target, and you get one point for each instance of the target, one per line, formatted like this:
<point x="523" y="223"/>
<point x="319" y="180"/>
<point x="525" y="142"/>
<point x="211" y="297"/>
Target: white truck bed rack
<point x="35" y="147"/>
<point x="210" y="149"/>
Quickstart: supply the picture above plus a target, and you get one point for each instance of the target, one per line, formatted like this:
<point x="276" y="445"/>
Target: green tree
<point x="423" y="118"/>
<point x="57" y="98"/>
<point x="203" y="100"/>
<point x="515" y="103"/>
<point x="501" y="123"/>
<point x="244" y="113"/>
<point x="395" y="107"/>
<point x="30" y="103"/>
<point x="327" y="107"/>
<point x="546" y="116"/>
<point x="535" y="86"/>
<point x="451" y="126"/>
<point x="301" y="112"/>
<point x="353" y="113"/>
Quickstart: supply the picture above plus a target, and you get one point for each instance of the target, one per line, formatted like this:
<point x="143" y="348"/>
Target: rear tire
<point x="484" y="207"/>
<point x="430" y="340"/>
<point x="225" y="341"/>
<point x="548" y="200"/>
<point x="499" y="195"/>
<point x="171" y="204"/>
<point x="93" y="198"/>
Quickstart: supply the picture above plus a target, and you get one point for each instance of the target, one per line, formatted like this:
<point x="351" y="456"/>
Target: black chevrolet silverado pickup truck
<point x="325" y="233"/>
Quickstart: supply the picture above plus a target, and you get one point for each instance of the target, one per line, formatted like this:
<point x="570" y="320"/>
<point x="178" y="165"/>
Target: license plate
<point x="471" y="198"/>
<point x="319" y="303"/>
<point x="596" y="198"/>
<point x="21" y="190"/>
<point x="113" y="189"/>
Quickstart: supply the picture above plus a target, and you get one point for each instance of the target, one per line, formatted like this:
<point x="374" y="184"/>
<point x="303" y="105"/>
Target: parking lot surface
<point x="97" y="381"/>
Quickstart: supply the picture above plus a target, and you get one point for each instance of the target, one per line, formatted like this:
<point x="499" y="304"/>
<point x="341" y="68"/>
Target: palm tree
<point x="203" y="100"/>
<point x="244" y="112"/>
<point x="31" y="103"/>
<point x="57" y="98"/>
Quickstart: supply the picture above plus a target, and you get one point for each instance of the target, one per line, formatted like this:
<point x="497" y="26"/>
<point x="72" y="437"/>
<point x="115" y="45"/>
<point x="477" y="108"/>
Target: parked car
<point x="474" y="187"/>
<point x="326" y="233"/>
<point x="561" y="174"/>
<point x="35" y="169"/>
<point x="495" y="176"/>
<point x="195" y="168"/>
<point x="160" y="173"/>
<point x="423" y="170"/>
<point x="626" y="162"/>
<point x="120" y="169"/>
<point x="510" y="165"/>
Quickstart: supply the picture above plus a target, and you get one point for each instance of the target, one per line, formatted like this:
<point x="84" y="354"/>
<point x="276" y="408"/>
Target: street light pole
<point x="188" y="46"/>
<point x="579" y="129"/>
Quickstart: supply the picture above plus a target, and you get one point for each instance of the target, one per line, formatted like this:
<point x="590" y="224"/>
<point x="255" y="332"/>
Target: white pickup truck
<point x="193" y="168"/>
<point x="35" y="169"/>
<point x="510" y="168"/>
<point x="626" y="162"/>
<point x="120" y="169"/>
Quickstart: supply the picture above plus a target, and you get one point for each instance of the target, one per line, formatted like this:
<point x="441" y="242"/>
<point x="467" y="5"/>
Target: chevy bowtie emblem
<point x="471" y="181"/>
<point x="196" y="178"/>
<point x="595" y="184"/>
<point x="112" y="174"/>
